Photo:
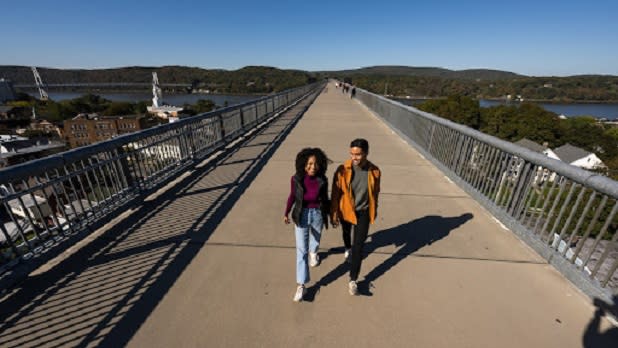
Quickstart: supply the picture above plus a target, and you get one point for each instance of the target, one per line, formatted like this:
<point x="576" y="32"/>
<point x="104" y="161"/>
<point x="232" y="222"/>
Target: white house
<point x="578" y="157"/>
<point x="531" y="145"/>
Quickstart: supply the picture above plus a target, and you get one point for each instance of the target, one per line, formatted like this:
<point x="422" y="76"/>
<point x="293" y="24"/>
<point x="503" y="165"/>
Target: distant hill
<point x="182" y="74"/>
<point x="430" y="82"/>
<point x="394" y="70"/>
<point x="393" y="80"/>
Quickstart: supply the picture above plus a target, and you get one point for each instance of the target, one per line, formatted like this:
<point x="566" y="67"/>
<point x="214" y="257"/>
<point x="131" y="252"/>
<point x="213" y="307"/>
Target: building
<point x="14" y="149"/>
<point x="578" y="157"/>
<point x="536" y="147"/>
<point x="6" y="138"/>
<point x="45" y="127"/>
<point x="86" y="129"/>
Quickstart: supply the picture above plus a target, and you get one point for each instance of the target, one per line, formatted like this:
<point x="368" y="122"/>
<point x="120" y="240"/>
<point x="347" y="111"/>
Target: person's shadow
<point x="410" y="237"/>
<point x="593" y="337"/>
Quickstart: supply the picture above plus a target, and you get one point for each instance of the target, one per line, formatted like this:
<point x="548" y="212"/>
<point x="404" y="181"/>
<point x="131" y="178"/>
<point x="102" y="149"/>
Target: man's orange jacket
<point x="342" y="198"/>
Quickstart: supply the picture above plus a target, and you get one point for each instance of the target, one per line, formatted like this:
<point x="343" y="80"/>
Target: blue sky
<point x="538" y="38"/>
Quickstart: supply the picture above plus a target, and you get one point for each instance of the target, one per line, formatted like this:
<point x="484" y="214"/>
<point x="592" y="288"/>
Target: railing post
<point x="184" y="143"/>
<point x="433" y="127"/>
<point x="222" y="129"/>
<point x="125" y="167"/>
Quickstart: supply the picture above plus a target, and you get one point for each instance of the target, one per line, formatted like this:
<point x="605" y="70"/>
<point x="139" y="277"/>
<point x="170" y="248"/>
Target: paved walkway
<point x="209" y="262"/>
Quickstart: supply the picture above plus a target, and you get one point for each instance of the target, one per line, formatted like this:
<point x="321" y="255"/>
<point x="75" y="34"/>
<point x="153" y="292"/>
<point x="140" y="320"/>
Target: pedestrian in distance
<point x="308" y="202"/>
<point x="354" y="204"/>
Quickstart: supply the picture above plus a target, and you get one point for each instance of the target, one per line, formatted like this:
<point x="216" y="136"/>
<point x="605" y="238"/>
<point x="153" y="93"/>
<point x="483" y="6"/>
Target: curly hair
<point x="361" y="143"/>
<point x="303" y="156"/>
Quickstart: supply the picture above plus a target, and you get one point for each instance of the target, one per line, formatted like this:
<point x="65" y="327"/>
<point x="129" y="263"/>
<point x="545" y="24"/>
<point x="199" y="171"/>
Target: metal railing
<point x="565" y="213"/>
<point x="46" y="201"/>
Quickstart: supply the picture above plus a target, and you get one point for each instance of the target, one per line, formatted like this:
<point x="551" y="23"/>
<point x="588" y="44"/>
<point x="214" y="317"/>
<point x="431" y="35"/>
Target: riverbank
<point x="178" y="99"/>
<point x="503" y="100"/>
<point x="553" y="101"/>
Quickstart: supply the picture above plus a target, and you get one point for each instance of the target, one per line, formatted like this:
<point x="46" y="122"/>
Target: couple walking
<point x="353" y="205"/>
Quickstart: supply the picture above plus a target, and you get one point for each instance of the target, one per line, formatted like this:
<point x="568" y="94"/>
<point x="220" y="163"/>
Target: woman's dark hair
<point x="362" y="143"/>
<point x="320" y="157"/>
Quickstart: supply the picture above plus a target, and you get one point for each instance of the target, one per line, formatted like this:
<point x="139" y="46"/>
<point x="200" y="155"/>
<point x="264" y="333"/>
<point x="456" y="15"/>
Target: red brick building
<point x="88" y="129"/>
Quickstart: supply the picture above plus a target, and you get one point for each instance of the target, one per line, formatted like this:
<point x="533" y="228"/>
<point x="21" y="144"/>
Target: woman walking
<point x="308" y="202"/>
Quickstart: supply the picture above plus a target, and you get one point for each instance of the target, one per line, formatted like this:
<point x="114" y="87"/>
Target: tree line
<point x="248" y="80"/>
<point x="584" y="88"/>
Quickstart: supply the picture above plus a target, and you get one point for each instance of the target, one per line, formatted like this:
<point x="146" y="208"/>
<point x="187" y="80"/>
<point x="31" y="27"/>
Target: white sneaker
<point x="314" y="259"/>
<point x="346" y="255"/>
<point x="353" y="288"/>
<point x="300" y="292"/>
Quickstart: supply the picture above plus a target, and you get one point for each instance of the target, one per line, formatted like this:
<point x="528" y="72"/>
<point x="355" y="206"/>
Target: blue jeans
<point x="308" y="233"/>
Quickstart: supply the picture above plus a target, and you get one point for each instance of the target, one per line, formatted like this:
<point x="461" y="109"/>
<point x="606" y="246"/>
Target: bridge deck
<point x="208" y="262"/>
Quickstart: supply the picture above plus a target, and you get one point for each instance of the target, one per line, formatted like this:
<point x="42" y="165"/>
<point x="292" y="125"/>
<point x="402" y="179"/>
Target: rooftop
<point x="530" y="145"/>
<point x="569" y="153"/>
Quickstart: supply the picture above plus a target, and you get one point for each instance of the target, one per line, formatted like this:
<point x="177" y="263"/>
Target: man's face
<point x="358" y="156"/>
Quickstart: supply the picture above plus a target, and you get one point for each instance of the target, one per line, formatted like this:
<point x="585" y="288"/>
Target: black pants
<point x="361" y="229"/>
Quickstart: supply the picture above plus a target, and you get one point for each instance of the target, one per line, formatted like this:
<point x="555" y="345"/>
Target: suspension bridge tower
<point x="39" y="84"/>
<point x="167" y="112"/>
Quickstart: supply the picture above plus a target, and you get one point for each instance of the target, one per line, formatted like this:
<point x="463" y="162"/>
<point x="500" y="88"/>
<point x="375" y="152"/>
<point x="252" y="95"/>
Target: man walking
<point x="354" y="202"/>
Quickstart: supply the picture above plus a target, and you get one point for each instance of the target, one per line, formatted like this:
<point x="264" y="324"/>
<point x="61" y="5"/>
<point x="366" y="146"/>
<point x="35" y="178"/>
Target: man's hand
<point x="286" y="220"/>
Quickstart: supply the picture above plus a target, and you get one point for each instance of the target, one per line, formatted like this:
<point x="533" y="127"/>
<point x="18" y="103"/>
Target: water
<point x="171" y="99"/>
<point x="608" y="111"/>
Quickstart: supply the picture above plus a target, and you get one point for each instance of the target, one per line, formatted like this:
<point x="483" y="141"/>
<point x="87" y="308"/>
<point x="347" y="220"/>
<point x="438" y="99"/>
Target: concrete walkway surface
<point x="209" y="262"/>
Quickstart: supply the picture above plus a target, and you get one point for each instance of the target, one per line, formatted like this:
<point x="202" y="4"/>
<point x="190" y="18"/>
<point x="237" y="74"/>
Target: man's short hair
<point x="362" y="143"/>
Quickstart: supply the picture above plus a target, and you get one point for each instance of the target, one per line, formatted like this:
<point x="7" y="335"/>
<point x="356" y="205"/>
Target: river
<point x="172" y="99"/>
<point x="608" y="111"/>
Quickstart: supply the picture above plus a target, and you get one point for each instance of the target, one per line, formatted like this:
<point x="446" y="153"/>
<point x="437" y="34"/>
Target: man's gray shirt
<point x="360" y="185"/>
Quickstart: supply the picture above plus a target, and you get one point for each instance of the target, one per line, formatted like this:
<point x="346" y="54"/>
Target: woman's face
<point x="311" y="167"/>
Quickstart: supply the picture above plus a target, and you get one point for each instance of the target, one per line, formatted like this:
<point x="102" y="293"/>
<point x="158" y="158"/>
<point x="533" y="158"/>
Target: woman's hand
<point x="286" y="220"/>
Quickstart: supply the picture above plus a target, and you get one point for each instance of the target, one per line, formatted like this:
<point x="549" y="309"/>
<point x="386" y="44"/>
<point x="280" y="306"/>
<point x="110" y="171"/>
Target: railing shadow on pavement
<point x="408" y="237"/>
<point x="101" y="294"/>
<point x="593" y="337"/>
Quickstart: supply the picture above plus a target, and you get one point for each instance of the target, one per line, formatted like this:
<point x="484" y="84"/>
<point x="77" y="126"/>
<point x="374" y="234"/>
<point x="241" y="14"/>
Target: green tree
<point x="456" y="108"/>
<point x="204" y="105"/>
<point x="119" y="108"/>
<point x="612" y="132"/>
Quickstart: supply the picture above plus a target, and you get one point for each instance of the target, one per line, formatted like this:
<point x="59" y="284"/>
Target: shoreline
<point x="536" y="101"/>
<point x="134" y="91"/>
<point x="551" y="101"/>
